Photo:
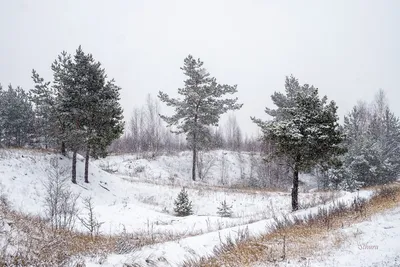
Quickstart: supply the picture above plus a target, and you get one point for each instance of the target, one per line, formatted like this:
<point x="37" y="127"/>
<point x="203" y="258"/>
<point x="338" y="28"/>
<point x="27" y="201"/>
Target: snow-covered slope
<point x="126" y="203"/>
<point x="219" y="168"/>
<point x="130" y="203"/>
<point x="175" y="252"/>
<point x="372" y="243"/>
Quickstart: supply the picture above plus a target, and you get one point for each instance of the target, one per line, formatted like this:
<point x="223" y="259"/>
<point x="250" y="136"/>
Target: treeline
<point x="77" y="111"/>
<point x="372" y="143"/>
<point x="148" y="135"/>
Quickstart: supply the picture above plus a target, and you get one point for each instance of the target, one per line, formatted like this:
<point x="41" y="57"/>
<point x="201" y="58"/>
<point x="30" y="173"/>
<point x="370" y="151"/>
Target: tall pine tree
<point x="87" y="104"/>
<point x="304" y="130"/>
<point x="201" y="105"/>
<point x="47" y="124"/>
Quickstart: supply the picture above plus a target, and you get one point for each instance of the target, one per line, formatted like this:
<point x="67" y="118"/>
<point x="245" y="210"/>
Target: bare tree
<point x="60" y="203"/>
<point x="147" y="133"/>
<point x="91" y="223"/>
<point x="204" y="163"/>
<point x="233" y="133"/>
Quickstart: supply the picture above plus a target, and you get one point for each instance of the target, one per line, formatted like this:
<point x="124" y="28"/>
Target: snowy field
<point x="125" y="203"/>
<point x="142" y="201"/>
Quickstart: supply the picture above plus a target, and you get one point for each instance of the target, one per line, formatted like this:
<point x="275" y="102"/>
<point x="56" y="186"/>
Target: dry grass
<point x="35" y="244"/>
<point x="32" y="242"/>
<point x="299" y="237"/>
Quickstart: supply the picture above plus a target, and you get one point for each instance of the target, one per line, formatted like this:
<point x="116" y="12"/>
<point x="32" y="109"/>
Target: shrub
<point x="224" y="210"/>
<point x="183" y="207"/>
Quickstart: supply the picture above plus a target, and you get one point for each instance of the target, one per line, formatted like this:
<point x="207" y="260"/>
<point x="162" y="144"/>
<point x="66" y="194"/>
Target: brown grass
<point x="302" y="237"/>
<point x="37" y="244"/>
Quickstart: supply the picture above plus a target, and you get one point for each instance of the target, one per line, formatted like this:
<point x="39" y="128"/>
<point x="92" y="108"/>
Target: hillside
<point x="129" y="203"/>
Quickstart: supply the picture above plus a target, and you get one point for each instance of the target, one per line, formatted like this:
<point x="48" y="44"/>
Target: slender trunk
<point x="194" y="157"/>
<point x="63" y="150"/>
<point x="87" y="164"/>
<point x="74" y="166"/>
<point x="295" y="188"/>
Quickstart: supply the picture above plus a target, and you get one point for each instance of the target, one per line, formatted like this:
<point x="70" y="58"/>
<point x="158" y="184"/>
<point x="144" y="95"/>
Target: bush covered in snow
<point x="225" y="210"/>
<point x="183" y="206"/>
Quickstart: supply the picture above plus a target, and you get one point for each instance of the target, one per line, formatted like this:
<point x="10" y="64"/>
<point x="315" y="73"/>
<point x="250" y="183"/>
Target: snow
<point x="371" y="243"/>
<point x="202" y="245"/>
<point x="142" y="201"/>
<point x="125" y="203"/>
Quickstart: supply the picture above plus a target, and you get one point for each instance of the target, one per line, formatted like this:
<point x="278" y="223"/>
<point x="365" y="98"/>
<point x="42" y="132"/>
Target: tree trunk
<point x="295" y="188"/>
<point x="194" y="157"/>
<point x="74" y="167"/>
<point x="87" y="164"/>
<point x="63" y="150"/>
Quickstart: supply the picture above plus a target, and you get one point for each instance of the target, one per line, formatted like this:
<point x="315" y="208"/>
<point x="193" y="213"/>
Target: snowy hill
<point x="219" y="168"/>
<point x="125" y="200"/>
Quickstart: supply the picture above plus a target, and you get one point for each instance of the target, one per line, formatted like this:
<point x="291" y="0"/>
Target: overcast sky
<point x="348" y="49"/>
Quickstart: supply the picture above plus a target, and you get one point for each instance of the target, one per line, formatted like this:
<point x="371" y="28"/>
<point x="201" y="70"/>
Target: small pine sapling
<point x="183" y="207"/>
<point x="224" y="210"/>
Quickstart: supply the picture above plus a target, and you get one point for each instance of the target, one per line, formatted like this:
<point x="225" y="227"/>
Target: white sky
<point x="348" y="49"/>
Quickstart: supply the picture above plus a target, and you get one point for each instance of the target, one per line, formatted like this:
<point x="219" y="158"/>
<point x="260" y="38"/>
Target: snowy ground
<point x="373" y="243"/>
<point x="142" y="200"/>
<point x="220" y="167"/>
<point x="125" y="203"/>
<point x="170" y="254"/>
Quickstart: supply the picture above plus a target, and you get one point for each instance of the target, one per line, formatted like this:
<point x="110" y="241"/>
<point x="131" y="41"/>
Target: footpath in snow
<point x="174" y="253"/>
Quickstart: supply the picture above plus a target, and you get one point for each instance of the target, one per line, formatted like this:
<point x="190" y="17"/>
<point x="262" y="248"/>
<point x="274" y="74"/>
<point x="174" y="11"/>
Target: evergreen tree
<point x="201" y="106"/>
<point x="304" y="130"/>
<point x="87" y="105"/>
<point x="224" y="210"/>
<point x="16" y="117"/>
<point x="47" y="124"/>
<point x="106" y="123"/>
<point x="183" y="206"/>
<point x="373" y="142"/>
<point x="69" y="78"/>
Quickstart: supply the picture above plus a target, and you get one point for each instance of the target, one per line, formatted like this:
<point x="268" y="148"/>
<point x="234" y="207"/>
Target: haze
<point x="348" y="49"/>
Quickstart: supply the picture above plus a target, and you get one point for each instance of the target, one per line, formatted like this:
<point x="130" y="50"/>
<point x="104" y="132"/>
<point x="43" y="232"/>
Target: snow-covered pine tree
<point x="102" y="111"/>
<point x="183" y="206"/>
<point x="47" y="125"/>
<point x="87" y="104"/>
<point x="304" y="129"/>
<point x="224" y="210"/>
<point x="201" y="105"/>
<point x="70" y="101"/>
<point x="373" y="142"/>
<point x="16" y="117"/>
<point x="106" y="122"/>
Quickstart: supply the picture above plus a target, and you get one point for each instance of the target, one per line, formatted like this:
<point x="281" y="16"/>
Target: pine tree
<point x="47" y="125"/>
<point x="70" y="103"/>
<point x="183" y="206"/>
<point x="105" y="124"/>
<point x="87" y="105"/>
<point x="304" y="130"/>
<point x="373" y="142"/>
<point x="224" y="210"/>
<point x="201" y="106"/>
<point x="16" y="117"/>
